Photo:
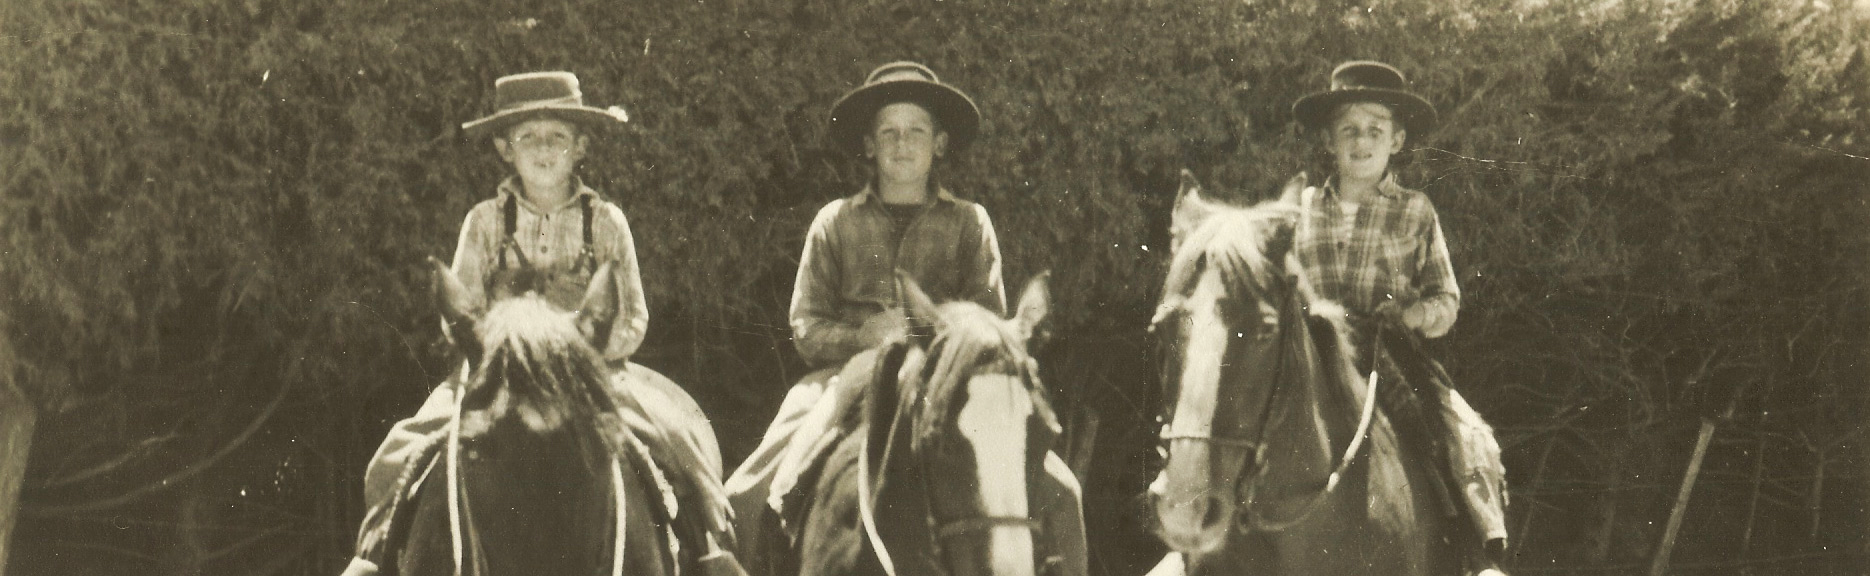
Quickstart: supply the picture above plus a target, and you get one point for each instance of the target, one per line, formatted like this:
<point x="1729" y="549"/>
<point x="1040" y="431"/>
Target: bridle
<point x="941" y="531"/>
<point x="460" y="532"/>
<point x="1249" y="517"/>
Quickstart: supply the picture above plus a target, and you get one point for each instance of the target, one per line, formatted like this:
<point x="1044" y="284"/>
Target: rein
<point x="1253" y="519"/>
<point x="866" y="508"/>
<point x="1256" y="521"/>
<point x="457" y="504"/>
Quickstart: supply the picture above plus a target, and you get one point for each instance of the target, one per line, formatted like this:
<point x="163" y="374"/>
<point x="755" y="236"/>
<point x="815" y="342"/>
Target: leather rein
<point x="942" y="531"/>
<point x="460" y="532"/>
<point x="1253" y="519"/>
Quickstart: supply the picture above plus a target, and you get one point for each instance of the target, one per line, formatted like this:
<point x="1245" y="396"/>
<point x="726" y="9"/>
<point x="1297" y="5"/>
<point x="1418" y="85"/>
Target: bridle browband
<point x="1250" y="518"/>
<point x="942" y="531"/>
<point x="457" y="503"/>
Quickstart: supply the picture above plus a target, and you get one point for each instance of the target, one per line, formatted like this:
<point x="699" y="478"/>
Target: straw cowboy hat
<point x="853" y="114"/>
<point x="1367" y="81"/>
<point x="522" y="97"/>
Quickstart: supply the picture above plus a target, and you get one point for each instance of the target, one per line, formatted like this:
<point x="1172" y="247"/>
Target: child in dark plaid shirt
<point x="1377" y="248"/>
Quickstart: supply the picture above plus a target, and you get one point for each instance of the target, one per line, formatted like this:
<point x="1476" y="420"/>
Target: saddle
<point x="430" y="460"/>
<point x="798" y="501"/>
<point x="1473" y="482"/>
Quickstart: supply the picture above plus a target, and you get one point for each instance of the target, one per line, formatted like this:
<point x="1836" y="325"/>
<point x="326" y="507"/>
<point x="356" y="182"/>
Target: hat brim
<point x="854" y="114"/>
<point x="1417" y="116"/>
<point x="595" y="119"/>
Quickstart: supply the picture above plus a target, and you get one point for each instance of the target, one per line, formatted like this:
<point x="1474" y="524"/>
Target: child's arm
<point x="818" y="330"/>
<point x="632" y="323"/>
<point x="1440" y="297"/>
<point x="984" y="283"/>
<point x="473" y="252"/>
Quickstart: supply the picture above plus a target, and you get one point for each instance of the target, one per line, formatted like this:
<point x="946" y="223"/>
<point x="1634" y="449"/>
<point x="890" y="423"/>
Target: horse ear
<point x="1279" y="244"/>
<point x="920" y="305"/>
<point x="460" y="308"/>
<point x="1291" y="192"/>
<point x="1035" y="302"/>
<point x="1190" y="210"/>
<point x="599" y="308"/>
<point x="458" y="305"/>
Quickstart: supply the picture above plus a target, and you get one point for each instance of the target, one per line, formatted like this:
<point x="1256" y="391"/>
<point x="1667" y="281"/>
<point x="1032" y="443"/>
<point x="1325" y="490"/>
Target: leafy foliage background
<point x="213" y="214"/>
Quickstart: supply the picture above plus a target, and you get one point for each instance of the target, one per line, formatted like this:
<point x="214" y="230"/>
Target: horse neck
<point x="540" y="502"/>
<point x="1308" y="415"/>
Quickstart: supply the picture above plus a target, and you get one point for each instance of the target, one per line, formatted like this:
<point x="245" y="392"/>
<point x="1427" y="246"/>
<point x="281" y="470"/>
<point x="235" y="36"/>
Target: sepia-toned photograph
<point x="934" y="287"/>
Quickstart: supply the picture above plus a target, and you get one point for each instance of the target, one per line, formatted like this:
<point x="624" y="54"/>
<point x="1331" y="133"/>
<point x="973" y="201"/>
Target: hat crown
<point x="1366" y="74"/>
<point x="901" y="70"/>
<point x="537" y="88"/>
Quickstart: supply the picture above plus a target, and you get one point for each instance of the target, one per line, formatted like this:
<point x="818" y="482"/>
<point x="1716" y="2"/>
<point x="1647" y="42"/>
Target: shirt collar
<point x="1387" y="187"/>
<point x="512" y="187"/>
<point x="870" y="192"/>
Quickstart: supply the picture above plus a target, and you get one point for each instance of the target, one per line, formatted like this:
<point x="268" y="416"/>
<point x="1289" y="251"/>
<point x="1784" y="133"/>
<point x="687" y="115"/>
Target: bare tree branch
<point x="152" y="487"/>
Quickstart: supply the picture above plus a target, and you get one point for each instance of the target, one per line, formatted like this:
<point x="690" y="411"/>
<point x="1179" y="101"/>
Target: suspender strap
<point x="512" y="223"/>
<point x="585" y="201"/>
<point x="587" y="256"/>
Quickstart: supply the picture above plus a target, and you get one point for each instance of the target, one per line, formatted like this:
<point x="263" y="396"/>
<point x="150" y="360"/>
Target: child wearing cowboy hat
<point x="903" y="122"/>
<point x="546" y="231"/>
<point x="1377" y="248"/>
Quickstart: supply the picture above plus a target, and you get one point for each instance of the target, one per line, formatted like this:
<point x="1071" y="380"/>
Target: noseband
<point x="943" y="531"/>
<point x="1252" y="519"/>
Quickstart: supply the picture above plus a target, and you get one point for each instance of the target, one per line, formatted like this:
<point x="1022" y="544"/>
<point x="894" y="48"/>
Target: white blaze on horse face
<point x="994" y="423"/>
<point x="1186" y="480"/>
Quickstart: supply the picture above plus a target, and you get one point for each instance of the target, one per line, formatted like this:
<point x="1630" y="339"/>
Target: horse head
<point x="980" y="430"/>
<point x="533" y="459"/>
<point x="1235" y="322"/>
<point x="530" y="360"/>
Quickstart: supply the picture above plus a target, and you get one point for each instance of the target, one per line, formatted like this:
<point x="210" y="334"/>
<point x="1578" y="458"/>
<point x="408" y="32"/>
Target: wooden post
<point x="1661" y="563"/>
<point x="17" y="420"/>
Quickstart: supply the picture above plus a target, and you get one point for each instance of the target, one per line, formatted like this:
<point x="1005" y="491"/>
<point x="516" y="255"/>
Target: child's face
<point x="904" y="143"/>
<point x="544" y="151"/>
<point x="1363" y="138"/>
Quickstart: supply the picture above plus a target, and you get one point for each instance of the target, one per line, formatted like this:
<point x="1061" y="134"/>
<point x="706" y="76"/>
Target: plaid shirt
<point x="552" y="239"/>
<point x="1390" y="248"/>
<point x="847" y="272"/>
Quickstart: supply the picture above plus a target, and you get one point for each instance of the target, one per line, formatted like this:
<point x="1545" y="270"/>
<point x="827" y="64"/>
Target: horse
<point x="935" y="478"/>
<point x="538" y="473"/>
<point x="1277" y="461"/>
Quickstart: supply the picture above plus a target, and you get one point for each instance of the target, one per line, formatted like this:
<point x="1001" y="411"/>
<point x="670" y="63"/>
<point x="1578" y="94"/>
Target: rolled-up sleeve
<point x="820" y="334"/>
<point x="986" y="287"/>
<point x="474" y="250"/>
<point x="1439" y="295"/>
<point x="633" y="320"/>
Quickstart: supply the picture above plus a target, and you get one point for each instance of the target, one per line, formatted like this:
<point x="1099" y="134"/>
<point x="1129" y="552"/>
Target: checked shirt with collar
<point x="1388" y="247"/>
<point x="852" y="250"/>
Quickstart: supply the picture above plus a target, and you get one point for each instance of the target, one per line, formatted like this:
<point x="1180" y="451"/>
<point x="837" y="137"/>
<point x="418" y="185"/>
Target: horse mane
<point x="1252" y="247"/>
<point x="538" y="369"/>
<point x="971" y="337"/>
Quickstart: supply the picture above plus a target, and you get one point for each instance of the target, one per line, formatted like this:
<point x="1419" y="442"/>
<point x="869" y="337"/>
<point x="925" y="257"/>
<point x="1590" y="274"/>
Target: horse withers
<point x="1277" y="462"/>
<point x="537" y="473"/>
<point x="943" y="474"/>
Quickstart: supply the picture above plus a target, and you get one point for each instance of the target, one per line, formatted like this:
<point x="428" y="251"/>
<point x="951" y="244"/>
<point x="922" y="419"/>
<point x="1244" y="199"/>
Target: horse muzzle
<point x="1193" y="522"/>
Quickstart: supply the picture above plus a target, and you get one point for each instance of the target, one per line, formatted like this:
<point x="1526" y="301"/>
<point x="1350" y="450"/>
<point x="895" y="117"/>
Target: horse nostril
<point x="1215" y="511"/>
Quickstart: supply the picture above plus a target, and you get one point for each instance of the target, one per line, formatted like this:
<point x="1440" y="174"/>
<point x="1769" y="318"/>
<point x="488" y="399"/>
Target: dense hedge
<point x="214" y="212"/>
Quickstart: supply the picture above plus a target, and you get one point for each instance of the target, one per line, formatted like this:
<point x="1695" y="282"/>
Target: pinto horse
<point x="936" y="479"/>
<point x="1277" y="461"/>
<point x="538" y="473"/>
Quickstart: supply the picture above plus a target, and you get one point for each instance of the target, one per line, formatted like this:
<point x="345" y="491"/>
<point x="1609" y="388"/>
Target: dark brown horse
<point x="1276" y="462"/>
<point x="537" y="474"/>
<point x="937" y="478"/>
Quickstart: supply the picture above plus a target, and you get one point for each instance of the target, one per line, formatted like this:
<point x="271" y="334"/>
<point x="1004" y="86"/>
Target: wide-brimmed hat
<point x="1367" y="81"/>
<point x="522" y="97"/>
<point x="854" y="114"/>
